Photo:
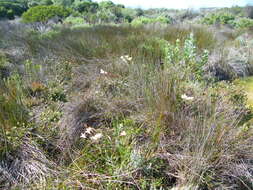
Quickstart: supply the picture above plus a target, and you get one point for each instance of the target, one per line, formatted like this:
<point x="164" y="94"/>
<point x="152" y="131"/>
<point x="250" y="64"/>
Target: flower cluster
<point x="126" y="58"/>
<point x="187" y="98"/>
<point x="89" y="134"/>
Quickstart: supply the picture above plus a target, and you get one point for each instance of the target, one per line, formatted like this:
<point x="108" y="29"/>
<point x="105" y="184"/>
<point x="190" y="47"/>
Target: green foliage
<point x="13" y="114"/>
<point x="43" y="13"/>
<point x="145" y="20"/>
<point x="74" y="20"/>
<point x="106" y="4"/>
<point x="218" y="18"/>
<point x="64" y="3"/>
<point x="153" y="50"/>
<point x="188" y="56"/>
<point x="85" y="6"/>
<point x="8" y="9"/>
<point x="33" y="3"/>
<point x="243" y="23"/>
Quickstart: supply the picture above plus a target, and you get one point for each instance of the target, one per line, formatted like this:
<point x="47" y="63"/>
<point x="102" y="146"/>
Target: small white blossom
<point x="123" y="133"/>
<point x="83" y="136"/>
<point x="89" y="130"/>
<point x="103" y="72"/>
<point x="97" y="137"/>
<point x="126" y="58"/>
<point x="185" y="97"/>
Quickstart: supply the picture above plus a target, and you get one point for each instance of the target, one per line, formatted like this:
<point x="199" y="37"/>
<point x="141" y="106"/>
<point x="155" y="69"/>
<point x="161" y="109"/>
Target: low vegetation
<point x="154" y="104"/>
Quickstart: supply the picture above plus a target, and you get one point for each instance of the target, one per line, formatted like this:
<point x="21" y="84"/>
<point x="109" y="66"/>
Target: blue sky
<point x="178" y="4"/>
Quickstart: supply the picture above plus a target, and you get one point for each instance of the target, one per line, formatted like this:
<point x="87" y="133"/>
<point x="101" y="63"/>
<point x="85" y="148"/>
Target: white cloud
<point x="177" y="4"/>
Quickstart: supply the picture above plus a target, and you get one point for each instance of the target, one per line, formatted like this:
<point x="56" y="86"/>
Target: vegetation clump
<point x="43" y="13"/>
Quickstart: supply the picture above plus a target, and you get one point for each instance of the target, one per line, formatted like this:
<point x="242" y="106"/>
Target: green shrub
<point x="218" y="18"/>
<point x="244" y="23"/>
<point x="43" y="13"/>
<point x="85" y="6"/>
<point x="5" y="13"/>
<point x="145" y="20"/>
<point x="33" y="3"/>
<point x="13" y="115"/>
<point x="74" y="20"/>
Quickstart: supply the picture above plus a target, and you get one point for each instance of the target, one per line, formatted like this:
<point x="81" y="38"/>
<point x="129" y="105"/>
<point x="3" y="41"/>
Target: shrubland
<point x="151" y="105"/>
<point x="124" y="107"/>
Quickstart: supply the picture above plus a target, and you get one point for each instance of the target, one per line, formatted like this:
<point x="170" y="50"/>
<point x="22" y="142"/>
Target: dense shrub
<point x="85" y="6"/>
<point x="13" y="115"/>
<point x="218" y="18"/>
<point x="74" y="20"/>
<point x="10" y="8"/>
<point x="43" y="13"/>
<point x="244" y="23"/>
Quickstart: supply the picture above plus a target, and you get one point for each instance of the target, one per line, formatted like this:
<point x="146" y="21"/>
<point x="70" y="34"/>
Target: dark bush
<point x="15" y="6"/>
<point x="86" y="6"/>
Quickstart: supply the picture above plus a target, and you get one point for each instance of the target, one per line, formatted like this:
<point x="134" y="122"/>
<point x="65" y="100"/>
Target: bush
<point x="145" y="20"/>
<point x="218" y="18"/>
<point x="86" y="6"/>
<point x="244" y="23"/>
<point x="13" y="115"/>
<point x="43" y="13"/>
<point x="5" y="13"/>
<point x="74" y="20"/>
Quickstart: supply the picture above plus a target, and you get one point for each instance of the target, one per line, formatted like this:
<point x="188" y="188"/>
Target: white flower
<point x="126" y="58"/>
<point x="123" y="133"/>
<point x="89" y="130"/>
<point x="103" y="72"/>
<point x="185" y="97"/>
<point x="83" y="136"/>
<point x="97" y="137"/>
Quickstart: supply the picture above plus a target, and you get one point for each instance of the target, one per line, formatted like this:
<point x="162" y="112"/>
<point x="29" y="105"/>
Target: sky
<point x="181" y="4"/>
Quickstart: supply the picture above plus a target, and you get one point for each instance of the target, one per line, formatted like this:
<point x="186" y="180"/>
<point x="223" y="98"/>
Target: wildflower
<point x="89" y="130"/>
<point x="97" y="137"/>
<point x="103" y="72"/>
<point x="126" y="58"/>
<point x="185" y="97"/>
<point x="123" y="133"/>
<point x="83" y="135"/>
